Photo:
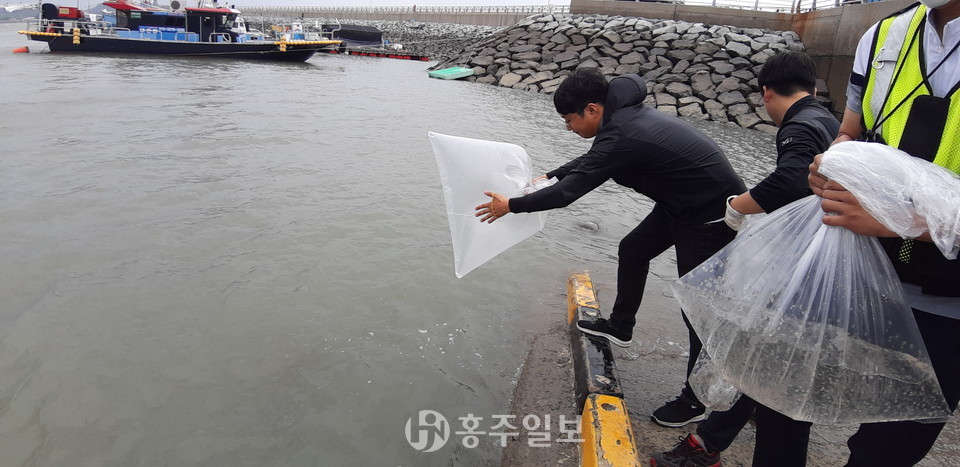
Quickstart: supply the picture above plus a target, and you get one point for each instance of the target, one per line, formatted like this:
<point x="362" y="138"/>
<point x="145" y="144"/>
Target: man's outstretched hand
<point x="498" y="207"/>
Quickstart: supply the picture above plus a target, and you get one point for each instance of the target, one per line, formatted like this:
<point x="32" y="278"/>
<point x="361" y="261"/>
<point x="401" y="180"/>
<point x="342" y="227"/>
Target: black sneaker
<point x="687" y="453"/>
<point x="603" y="328"/>
<point x="679" y="412"/>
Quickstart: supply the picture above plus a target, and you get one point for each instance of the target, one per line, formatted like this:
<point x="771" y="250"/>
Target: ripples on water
<point x="216" y="263"/>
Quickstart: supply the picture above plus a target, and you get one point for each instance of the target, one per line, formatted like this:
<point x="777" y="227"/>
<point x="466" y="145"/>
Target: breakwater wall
<point x="692" y="70"/>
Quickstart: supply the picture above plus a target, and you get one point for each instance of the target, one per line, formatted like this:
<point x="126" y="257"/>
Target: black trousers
<point x="720" y="428"/>
<point x="906" y="443"/>
<point x="781" y="441"/>
<point x="694" y="243"/>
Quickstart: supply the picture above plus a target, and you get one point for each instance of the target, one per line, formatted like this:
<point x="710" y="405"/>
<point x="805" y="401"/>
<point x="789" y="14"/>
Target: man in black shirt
<point x="659" y="156"/>
<point x="788" y="82"/>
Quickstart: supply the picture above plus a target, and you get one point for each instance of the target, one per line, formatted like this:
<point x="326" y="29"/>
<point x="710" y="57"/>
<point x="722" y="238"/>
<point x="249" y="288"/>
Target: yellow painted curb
<point x="580" y="294"/>
<point x="608" y="439"/>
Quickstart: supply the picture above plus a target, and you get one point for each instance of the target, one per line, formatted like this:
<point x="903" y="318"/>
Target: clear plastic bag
<point x="809" y="320"/>
<point x="468" y="167"/>
<point x="907" y="195"/>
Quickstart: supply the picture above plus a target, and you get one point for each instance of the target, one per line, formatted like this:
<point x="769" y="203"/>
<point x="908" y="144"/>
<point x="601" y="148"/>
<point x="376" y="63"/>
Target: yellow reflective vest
<point x="895" y="72"/>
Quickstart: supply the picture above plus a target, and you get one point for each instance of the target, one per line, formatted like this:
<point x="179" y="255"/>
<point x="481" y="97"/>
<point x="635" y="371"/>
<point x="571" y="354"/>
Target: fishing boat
<point x="210" y="31"/>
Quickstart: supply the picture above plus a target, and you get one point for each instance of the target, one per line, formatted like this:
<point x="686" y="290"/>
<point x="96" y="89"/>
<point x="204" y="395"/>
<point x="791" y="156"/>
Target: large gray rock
<point x="728" y="84"/>
<point x="721" y="67"/>
<point x="532" y="56"/>
<point x="643" y="25"/>
<point x="715" y="110"/>
<point x="666" y="38"/>
<point x="739" y="50"/>
<point x="627" y="69"/>
<point x="682" y="54"/>
<point x="608" y="62"/>
<point x="567" y="55"/>
<point x="632" y="58"/>
<point x="701" y="81"/>
<point x="509" y="79"/>
<point x="738" y="109"/>
<point x="669" y="78"/>
<point x="734" y="37"/>
<point x="759" y="57"/>
<point x="706" y="48"/>
<point x="741" y="63"/>
<point x="692" y="111"/>
<point x="665" y="30"/>
<point x="668" y="109"/>
<point x="560" y="38"/>
<point x="482" y="61"/>
<point x="679" y="89"/>
<point x="731" y="97"/>
<point x="611" y="36"/>
<point x="653" y="75"/>
<point x="590" y="53"/>
<point x="743" y="75"/>
<point x="663" y="98"/>
<point x="747" y="120"/>
<point x="538" y="77"/>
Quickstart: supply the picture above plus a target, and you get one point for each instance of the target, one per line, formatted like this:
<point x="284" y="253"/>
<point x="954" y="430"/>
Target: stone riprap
<point x="435" y="40"/>
<point x="692" y="70"/>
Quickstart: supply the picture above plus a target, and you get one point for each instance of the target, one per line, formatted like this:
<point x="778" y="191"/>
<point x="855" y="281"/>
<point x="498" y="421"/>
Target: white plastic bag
<point x="906" y="194"/>
<point x="809" y="320"/>
<point x="468" y="167"/>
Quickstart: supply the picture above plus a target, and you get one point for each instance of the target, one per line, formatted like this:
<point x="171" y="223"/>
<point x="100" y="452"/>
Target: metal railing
<point x="778" y="6"/>
<point x="493" y="9"/>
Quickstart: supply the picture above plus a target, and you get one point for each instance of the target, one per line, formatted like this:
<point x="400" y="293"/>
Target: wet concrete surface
<point x="651" y="373"/>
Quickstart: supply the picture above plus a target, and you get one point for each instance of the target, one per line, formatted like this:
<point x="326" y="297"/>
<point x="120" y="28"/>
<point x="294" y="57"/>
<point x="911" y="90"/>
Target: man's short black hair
<point x="788" y="73"/>
<point x="586" y="85"/>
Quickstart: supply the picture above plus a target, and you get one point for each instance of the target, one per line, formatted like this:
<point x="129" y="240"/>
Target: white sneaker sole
<point x="613" y="340"/>
<point x="698" y="418"/>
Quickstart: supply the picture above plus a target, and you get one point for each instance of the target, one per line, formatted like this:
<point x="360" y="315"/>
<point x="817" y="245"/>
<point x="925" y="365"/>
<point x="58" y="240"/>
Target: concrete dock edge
<point x="608" y="438"/>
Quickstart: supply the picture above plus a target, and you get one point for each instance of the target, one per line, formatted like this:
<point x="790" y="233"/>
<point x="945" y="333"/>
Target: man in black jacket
<point x="788" y="81"/>
<point x="657" y="155"/>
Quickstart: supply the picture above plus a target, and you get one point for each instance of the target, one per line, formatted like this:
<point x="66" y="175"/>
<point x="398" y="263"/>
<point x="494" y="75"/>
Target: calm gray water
<point x="209" y="263"/>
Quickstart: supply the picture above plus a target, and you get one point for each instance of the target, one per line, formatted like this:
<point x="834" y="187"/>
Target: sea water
<point x="209" y="262"/>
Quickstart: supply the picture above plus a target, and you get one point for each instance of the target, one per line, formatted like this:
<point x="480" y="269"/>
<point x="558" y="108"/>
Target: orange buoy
<point x="21" y="50"/>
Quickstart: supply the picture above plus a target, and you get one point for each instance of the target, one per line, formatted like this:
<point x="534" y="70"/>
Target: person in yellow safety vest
<point x="904" y="92"/>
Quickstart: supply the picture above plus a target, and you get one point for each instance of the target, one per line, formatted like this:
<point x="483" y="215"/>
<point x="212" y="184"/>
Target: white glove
<point x="732" y="217"/>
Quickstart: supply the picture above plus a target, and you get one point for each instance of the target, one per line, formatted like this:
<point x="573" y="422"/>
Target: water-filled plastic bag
<point x="468" y="167"/>
<point x="906" y="194"/>
<point x="810" y="319"/>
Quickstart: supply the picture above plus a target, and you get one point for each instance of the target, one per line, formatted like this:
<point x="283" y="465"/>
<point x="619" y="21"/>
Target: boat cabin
<point x="193" y="25"/>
